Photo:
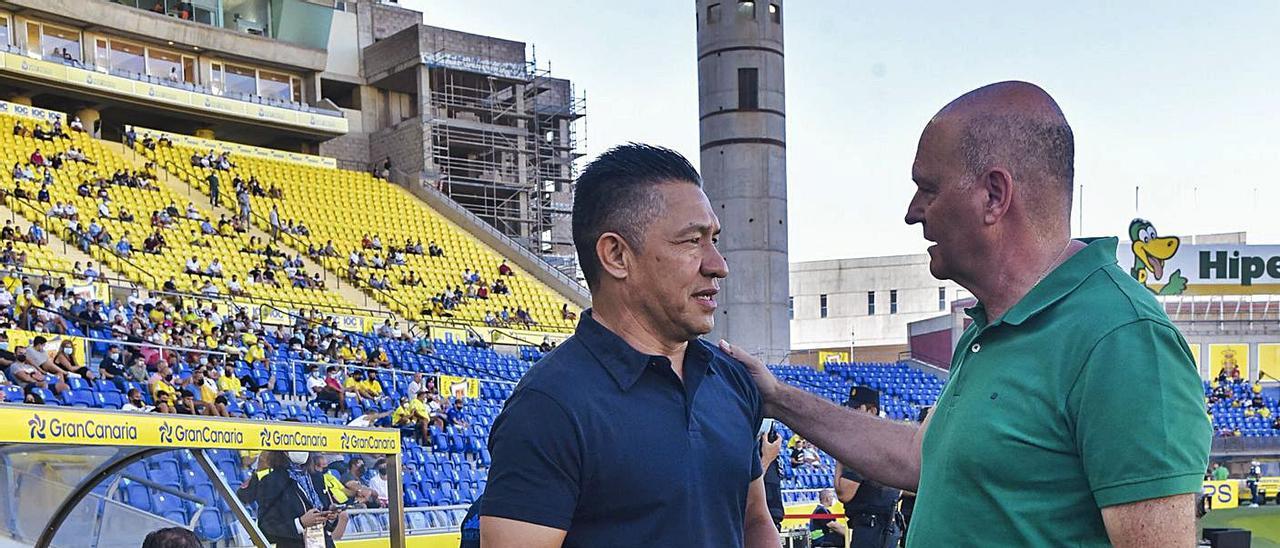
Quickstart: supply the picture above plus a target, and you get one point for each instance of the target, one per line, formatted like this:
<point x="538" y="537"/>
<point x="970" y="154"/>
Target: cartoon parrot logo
<point x="1150" y="252"/>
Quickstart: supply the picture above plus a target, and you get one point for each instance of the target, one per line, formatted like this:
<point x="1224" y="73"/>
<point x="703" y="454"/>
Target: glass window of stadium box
<point x="43" y="38"/>
<point x="126" y="57"/>
<point x="280" y="87"/>
<point x="5" y="35"/>
<point x="239" y="80"/>
<point x="165" y="64"/>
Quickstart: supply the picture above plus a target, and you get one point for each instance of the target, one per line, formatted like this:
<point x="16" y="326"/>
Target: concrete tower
<point x="742" y="125"/>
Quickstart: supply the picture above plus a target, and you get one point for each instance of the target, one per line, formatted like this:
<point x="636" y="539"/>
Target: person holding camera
<point x="872" y="510"/>
<point x="295" y="507"/>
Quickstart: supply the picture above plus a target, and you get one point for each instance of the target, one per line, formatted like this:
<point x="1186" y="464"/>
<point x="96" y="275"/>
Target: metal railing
<point x="105" y="254"/>
<point x="182" y="85"/>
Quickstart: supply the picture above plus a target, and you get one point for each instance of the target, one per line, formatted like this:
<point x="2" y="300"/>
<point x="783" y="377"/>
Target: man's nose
<point x="714" y="264"/>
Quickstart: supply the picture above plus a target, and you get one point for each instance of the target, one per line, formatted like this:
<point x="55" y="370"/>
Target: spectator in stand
<point x="212" y="181"/>
<point x="76" y="124"/>
<point x="134" y="402"/>
<point x="91" y="272"/>
<point x="435" y="250"/>
<point x="161" y="380"/>
<point x="275" y="223"/>
<point x="826" y="532"/>
<point x="324" y="388"/>
<point x="504" y="270"/>
<point x="566" y="314"/>
<point x="457" y="415"/>
<point x="378" y="481"/>
<point x="111" y="368"/>
<point x="356" y="488"/>
<point x="23" y="373"/>
<point x="500" y="288"/>
<point x="37" y="235"/>
<point x="412" y="418"/>
<point x="187" y="404"/>
<point x="164" y="402"/>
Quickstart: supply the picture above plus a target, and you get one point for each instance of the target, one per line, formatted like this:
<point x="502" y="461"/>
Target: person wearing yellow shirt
<point x="411" y="416"/>
<point x="1264" y="412"/>
<point x="257" y="354"/>
<point x="208" y="399"/>
<point x="228" y="383"/>
<point x="372" y="386"/>
<point x="357" y="385"/>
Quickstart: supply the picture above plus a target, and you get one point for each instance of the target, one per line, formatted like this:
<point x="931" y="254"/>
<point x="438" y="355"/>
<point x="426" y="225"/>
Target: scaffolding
<point x="504" y="144"/>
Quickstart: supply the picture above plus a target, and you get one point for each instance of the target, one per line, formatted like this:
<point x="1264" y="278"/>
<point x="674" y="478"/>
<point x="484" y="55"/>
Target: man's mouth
<point x="706" y="297"/>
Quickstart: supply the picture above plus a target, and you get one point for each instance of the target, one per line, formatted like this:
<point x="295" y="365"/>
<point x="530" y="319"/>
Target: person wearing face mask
<point x="295" y="508"/>
<point x="111" y="368"/>
<point x="326" y="395"/>
<point x="378" y="482"/>
<point x="135" y="402"/>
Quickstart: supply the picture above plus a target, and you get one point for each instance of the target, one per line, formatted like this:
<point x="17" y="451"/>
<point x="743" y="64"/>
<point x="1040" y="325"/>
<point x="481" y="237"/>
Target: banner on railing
<point x="204" y="145"/>
<point x="33" y="113"/>
<point x="459" y="387"/>
<point x="38" y="424"/>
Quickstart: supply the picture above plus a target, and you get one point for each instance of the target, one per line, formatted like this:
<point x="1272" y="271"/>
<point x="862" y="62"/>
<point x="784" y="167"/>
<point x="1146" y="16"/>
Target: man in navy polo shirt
<point x="634" y="432"/>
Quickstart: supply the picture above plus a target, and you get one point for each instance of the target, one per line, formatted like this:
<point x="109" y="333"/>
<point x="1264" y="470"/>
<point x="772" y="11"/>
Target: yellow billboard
<point x="53" y="425"/>
<point x="1269" y="361"/>
<point x="236" y="148"/>
<point x="1222" y="494"/>
<point x="828" y="356"/>
<point x="459" y="387"/>
<point x="1229" y="356"/>
<point x="1195" y="354"/>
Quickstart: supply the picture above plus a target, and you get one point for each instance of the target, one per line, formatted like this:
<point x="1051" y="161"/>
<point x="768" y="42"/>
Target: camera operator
<point x="874" y="521"/>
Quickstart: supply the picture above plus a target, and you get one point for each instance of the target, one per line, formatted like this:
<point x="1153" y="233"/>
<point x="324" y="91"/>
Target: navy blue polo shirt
<point x="606" y="443"/>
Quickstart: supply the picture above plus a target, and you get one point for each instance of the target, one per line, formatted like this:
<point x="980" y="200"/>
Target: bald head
<point x="1018" y="127"/>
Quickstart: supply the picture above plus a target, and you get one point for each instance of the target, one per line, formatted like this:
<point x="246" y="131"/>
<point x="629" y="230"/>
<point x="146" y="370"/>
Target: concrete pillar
<point x="205" y="133"/>
<point x="742" y="117"/>
<point x="89" y="117"/>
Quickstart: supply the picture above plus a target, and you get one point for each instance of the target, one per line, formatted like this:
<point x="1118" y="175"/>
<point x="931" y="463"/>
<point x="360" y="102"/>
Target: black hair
<point x="172" y="537"/>
<point x="614" y="194"/>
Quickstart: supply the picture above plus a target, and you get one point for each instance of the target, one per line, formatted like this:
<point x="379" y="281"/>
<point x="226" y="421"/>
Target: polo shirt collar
<point x="1058" y="284"/>
<point x="624" y="363"/>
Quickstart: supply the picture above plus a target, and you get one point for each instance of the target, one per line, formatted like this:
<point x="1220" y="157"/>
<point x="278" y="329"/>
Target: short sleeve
<point x="1139" y="417"/>
<point x="851" y="475"/>
<point x="537" y="463"/>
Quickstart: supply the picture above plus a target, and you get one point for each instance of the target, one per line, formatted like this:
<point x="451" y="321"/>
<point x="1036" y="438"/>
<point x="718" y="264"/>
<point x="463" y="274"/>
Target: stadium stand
<point x="112" y="185"/>
<point x="380" y="229"/>
<point x="1241" y="409"/>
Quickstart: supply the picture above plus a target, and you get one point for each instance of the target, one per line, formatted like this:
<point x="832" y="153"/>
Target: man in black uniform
<point x="870" y="507"/>
<point x="770" y="446"/>
<point x="826" y="532"/>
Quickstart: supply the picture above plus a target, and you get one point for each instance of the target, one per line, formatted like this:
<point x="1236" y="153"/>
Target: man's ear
<point x="998" y="186"/>
<point x="615" y="255"/>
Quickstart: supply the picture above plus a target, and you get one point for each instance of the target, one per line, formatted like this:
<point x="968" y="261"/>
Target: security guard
<point x="874" y="521"/>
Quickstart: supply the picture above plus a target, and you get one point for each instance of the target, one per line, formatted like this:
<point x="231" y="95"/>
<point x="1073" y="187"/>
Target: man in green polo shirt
<point x="1073" y="415"/>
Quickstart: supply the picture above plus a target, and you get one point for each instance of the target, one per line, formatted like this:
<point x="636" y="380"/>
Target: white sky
<point x="1178" y="98"/>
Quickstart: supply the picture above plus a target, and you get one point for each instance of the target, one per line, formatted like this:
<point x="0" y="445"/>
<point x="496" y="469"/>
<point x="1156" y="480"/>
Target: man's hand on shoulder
<point x="766" y="383"/>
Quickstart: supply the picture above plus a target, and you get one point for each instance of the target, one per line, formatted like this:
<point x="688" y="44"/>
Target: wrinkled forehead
<point x="937" y="148"/>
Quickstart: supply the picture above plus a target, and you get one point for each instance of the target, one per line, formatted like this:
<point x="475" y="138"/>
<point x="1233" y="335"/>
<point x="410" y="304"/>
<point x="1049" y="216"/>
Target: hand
<point x="769" y="450"/>
<point x="313" y="517"/>
<point x="765" y="381"/>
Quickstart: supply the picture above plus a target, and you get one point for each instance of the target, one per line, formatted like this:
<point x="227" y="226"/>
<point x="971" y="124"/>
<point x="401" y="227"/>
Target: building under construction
<point x="471" y="116"/>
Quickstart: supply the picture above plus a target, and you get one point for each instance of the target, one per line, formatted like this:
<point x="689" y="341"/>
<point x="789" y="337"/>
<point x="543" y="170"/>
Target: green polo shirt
<point x="1082" y="396"/>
